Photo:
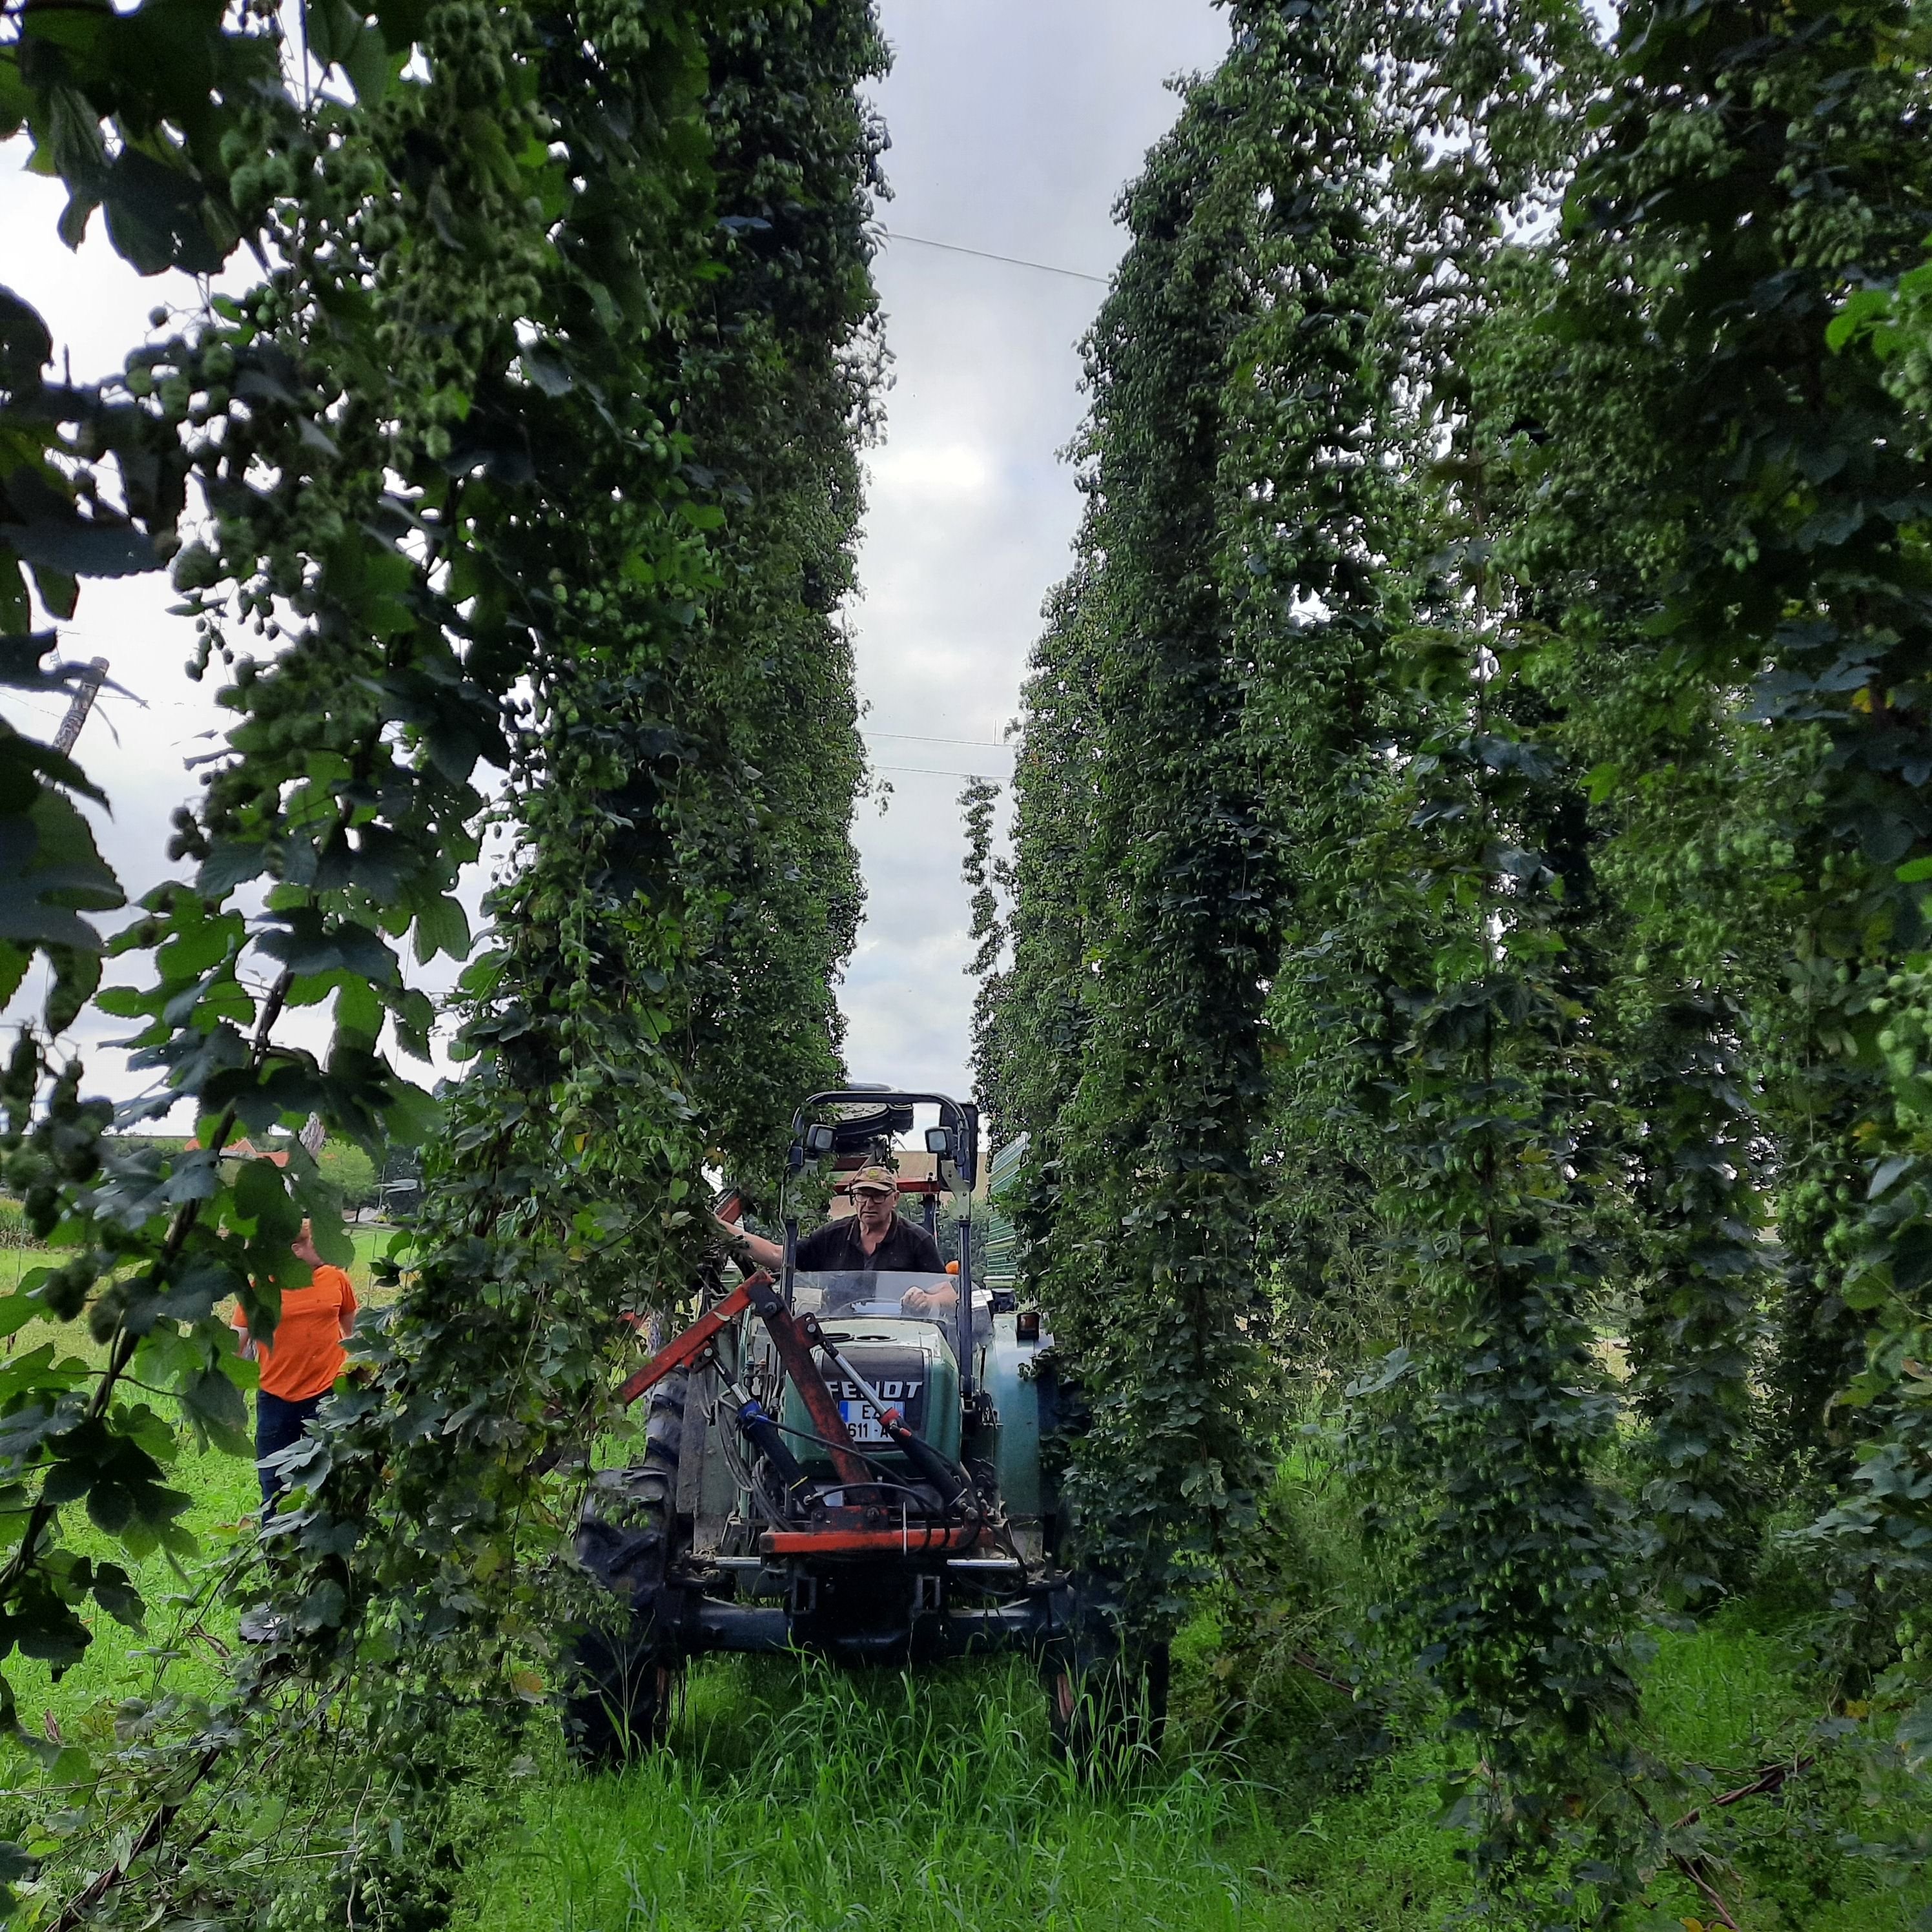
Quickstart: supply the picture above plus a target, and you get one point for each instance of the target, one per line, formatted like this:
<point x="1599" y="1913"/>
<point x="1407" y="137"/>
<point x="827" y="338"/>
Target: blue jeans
<point x="278" y="1423"/>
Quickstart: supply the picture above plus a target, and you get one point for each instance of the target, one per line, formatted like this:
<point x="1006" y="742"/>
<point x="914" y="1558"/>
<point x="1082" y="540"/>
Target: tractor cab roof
<point x="852" y="1125"/>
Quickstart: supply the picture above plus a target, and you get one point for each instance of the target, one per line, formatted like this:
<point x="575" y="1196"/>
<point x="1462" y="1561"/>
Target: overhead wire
<point x="921" y="738"/>
<point x="928" y="771"/>
<point x="988" y="255"/>
<point x="1013" y="262"/>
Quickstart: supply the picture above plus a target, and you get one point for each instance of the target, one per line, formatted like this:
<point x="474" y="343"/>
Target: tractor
<point x="825" y="1470"/>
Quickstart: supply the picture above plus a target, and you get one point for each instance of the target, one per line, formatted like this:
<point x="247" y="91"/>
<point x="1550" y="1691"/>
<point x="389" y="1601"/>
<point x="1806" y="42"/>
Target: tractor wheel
<point x="1106" y="1699"/>
<point x="624" y="1682"/>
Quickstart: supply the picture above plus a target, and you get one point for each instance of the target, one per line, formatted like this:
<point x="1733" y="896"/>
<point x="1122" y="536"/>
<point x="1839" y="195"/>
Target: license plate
<point x="862" y="1422"/>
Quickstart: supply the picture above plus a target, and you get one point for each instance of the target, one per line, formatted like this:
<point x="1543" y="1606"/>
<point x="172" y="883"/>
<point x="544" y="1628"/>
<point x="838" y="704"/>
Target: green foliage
<point x="1151" y="1277"/>
<point x="1467" y="912"/>
<point x="1796" y="560"/>
<point x="351" y="1172"/>
<point x="1539" y="463"/>
<point x="1280" y="1803"/>
<point x="787" y="336"/>
<point x="984" y="874"/>
<point x="1697" y="1187"/>
<point x="535" y="443"/>
<point x="1759" y="665"/>
<point x="1320" y="952"/>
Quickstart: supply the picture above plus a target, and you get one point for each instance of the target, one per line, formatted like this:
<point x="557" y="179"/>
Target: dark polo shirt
<point x="835" y="1248"/>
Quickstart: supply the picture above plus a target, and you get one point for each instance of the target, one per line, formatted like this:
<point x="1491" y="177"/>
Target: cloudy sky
<point x="1014" y="123"/>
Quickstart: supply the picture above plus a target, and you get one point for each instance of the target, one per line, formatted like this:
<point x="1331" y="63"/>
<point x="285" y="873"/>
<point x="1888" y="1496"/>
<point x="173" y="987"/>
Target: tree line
<point x="1466" y="964"/>
<point x="518" y="486"/>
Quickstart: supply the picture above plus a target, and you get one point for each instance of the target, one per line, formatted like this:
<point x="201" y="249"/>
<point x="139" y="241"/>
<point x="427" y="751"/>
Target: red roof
<point x="245" y="1150"/>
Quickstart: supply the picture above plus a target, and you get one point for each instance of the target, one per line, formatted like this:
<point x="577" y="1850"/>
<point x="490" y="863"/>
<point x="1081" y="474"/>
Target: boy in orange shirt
<point x="300" y="1366"/>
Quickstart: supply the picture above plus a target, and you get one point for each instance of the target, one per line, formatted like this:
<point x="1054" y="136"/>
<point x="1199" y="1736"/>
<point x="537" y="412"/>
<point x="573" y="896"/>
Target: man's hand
<point x="742" y="1241"/>
<point x="927" y="1301"/>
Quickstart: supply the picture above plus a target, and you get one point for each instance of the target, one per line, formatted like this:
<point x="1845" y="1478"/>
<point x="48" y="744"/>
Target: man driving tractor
<point x="875" y="1237"/>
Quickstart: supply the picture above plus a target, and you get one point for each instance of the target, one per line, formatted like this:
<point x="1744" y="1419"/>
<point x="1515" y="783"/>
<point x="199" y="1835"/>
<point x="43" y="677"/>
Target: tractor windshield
<point x="878" y="1292"/>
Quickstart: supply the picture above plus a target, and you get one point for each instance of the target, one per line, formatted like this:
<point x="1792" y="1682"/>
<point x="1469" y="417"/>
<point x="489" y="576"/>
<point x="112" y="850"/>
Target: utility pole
<point x="86" y="689"/>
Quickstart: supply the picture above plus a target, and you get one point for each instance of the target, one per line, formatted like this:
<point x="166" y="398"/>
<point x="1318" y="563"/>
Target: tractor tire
<point x="1106" y="1698"/>
<point x="623" y="1683"/>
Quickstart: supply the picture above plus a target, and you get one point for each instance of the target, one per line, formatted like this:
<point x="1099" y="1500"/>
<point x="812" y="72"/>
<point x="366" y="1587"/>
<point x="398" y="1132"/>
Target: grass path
<point x="800" y="1798"/>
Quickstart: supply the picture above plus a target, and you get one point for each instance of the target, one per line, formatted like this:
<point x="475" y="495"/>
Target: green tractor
<point x="847" y="1462"/>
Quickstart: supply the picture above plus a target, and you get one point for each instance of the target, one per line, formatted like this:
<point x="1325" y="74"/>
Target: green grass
<point x="798" y="1797"/>
<point x="120" y="1662"/>
<point x="795" y="1798"/>
<point x="187" y="1646"/>
<point x="17" y="1263"/>
<point x="71" y="1339"/>
<point x="1741" y="1694"/>
<point x="1727" y="1694"/>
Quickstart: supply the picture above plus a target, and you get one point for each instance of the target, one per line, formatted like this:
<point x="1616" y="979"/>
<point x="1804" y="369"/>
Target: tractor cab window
<point x="878" y="1293"/>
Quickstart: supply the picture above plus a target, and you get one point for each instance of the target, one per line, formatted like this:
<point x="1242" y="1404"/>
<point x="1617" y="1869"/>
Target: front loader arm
<point x="693" y="1342"/>
<point x="757" y="1294"/>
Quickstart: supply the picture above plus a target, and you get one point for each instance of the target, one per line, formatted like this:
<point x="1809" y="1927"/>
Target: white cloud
<point x="1014" y="123"/>
<point x="956" y="472"/>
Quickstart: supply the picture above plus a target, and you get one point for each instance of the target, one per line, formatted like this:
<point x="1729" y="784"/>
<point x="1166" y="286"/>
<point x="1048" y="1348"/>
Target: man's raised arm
<point x="754" y="1247"/>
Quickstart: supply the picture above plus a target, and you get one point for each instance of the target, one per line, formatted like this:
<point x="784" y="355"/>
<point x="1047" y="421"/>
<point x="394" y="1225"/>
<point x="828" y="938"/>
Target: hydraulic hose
<point x="762" y="1432"/>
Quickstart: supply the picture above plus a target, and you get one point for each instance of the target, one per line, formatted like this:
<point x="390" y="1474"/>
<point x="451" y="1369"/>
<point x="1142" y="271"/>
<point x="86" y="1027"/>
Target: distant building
<point x="244" y="1150"/>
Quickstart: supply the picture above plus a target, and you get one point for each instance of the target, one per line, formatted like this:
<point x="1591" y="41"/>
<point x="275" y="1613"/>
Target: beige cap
<point x="873" y="1180"/>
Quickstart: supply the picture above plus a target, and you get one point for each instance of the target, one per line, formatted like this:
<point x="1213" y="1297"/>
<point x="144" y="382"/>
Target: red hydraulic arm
<point x="693" y="1342"/>
<point x="758" y="1294"/>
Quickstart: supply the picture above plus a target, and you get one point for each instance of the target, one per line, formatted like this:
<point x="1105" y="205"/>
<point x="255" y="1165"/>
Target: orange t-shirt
<point x="306" y="1356"/>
